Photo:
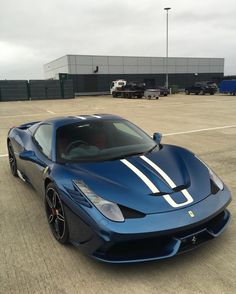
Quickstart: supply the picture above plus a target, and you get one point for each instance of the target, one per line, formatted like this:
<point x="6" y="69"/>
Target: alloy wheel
<point x="12" y="160"/>
<point x="55" y="213"/>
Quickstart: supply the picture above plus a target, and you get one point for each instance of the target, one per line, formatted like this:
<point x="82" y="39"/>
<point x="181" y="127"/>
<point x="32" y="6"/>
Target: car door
<point x="41" y="144"/>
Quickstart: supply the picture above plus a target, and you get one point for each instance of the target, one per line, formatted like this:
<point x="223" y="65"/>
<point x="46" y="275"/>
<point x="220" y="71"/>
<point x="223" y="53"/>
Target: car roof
<point x="66" y="120"/>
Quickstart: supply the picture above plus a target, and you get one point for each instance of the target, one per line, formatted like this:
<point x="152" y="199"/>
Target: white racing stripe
<point x="174" y="204"/>
<point x="160" y="171"/>
<point x="81" y="117"/>
<point x="97" y="116"/>
<point x="170" y="183"/>
<point x="153" y="188"/>
<point x="142" y="176"/>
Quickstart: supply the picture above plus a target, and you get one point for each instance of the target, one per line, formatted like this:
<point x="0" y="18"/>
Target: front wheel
<point x="201" y="92"/>
<point x="12" y="159"/>
<point x="187" y="92"/>
<point x="56" y="214"/>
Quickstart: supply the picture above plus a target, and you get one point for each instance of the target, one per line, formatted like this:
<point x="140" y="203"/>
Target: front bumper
<point x="157" y="236"/>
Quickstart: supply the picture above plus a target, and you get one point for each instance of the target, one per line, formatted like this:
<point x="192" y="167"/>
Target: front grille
<point x="142" y="248"/>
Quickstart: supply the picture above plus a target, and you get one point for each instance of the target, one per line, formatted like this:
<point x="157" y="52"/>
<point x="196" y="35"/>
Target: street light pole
<point x="167" y="36"/>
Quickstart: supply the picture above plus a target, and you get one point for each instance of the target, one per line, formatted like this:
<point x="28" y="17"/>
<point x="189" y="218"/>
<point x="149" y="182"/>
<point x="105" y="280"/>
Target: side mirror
<point x="31" y="156"/>
<point x="157" y="138"/>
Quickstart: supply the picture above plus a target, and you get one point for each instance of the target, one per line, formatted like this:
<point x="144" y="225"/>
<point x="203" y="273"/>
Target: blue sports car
<point x="114" y="191"/>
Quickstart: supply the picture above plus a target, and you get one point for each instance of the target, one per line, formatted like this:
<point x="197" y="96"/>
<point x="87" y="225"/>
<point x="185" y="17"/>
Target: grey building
<point x="95" y="73"/>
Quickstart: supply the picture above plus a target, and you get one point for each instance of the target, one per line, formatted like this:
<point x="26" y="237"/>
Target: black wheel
<point x="187" y="92"/>
<point x="12" y="159"/>
<point x="201" y="92"/>
<point x="56" y="215"/>
<point x="114" y="95"/>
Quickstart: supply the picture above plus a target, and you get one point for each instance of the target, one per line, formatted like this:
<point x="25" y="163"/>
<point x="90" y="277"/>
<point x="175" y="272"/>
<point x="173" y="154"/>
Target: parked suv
<point x="202" y="88"/>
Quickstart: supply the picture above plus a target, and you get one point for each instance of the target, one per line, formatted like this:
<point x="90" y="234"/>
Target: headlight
<point x="108" y="209"/>
<point x="217" y="181"/>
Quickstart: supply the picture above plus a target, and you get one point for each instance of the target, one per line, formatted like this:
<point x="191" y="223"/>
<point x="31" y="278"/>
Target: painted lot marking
<point x="200" y="130"/>
<point x="51" y="112"/>
<point x="3" y="155"/>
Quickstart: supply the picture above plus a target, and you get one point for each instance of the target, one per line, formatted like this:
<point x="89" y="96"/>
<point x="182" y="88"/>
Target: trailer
<point x="152" y="94"/>
<point x="228" y="87"/>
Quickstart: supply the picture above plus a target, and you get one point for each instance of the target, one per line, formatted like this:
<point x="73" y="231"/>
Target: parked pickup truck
<point x="202" y="88"/>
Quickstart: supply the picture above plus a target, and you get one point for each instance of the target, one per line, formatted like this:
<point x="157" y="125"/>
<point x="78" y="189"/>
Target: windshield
<point x="101" y="140"/>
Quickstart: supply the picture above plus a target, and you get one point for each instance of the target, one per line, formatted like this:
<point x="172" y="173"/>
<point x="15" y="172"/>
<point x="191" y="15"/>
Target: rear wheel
<point x="56" y="215"/>
<point x="12" y="159"/>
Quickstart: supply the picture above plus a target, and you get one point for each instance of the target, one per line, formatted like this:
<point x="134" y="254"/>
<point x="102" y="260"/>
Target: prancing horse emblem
<point x="191" y="213"/>
<point x="194" y="240"/>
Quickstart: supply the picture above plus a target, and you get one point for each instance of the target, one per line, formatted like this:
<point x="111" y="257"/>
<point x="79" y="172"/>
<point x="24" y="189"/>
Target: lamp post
<point x="167" y="33"/>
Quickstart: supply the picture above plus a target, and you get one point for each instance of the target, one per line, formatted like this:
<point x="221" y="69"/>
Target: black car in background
<point x="202" y="88"/>
<point x="163" y="91"/>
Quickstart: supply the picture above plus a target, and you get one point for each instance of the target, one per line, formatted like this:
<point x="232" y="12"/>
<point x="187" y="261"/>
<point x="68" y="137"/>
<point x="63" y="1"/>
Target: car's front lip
<point x="175" y="231"/>
<point x="150" y="248"/>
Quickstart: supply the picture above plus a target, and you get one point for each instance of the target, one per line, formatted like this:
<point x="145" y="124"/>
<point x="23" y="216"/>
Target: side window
<point x="43" y="139"/>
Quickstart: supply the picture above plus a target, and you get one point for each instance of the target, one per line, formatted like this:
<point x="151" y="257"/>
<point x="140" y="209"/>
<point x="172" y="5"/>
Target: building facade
<point x="95" y="73"/>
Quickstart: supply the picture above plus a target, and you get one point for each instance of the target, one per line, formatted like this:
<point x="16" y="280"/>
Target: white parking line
<point x="4" y="155"/>
<point x="51" y="112"/>
<point x="200" y="130"/>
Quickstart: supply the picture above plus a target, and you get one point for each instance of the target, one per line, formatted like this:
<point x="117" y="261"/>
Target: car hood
<point x="119" y="182"/>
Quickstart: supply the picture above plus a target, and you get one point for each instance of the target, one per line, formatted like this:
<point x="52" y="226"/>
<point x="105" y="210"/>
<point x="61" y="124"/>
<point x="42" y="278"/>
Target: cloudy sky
<point x="33" y="33"/>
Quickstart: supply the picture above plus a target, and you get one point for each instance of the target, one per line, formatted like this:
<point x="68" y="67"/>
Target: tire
<point x="12" y="159"/>
<point x="201" y="92"/>
<point x="113" y="94"/>
<point x="187" y="92"/>
<point x="56" y="214"/>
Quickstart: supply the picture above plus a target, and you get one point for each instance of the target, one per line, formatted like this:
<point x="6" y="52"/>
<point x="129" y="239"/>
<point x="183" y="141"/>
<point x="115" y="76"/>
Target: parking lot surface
<point x="31" y="261"/>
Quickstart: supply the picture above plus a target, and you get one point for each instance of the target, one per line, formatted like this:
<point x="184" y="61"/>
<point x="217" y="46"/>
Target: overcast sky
<point x="33" y="33"/>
